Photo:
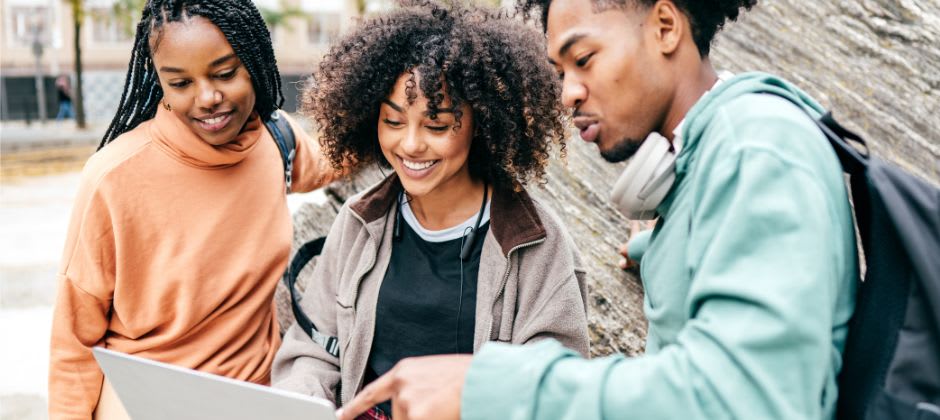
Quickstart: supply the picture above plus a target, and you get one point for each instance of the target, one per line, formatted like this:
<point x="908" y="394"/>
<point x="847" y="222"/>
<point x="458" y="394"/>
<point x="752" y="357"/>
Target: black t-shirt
<point x="417" y="309"/>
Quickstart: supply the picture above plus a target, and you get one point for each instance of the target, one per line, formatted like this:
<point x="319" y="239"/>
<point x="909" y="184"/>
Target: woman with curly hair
<point x="449" y="251"/>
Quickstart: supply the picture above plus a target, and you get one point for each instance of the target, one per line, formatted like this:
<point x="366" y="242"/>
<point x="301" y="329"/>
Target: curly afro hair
<point x="487" y="59"/>
<point x="707" y="17"/>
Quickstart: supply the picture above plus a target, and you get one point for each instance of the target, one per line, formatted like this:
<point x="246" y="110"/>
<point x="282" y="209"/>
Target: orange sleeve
<point x="78" y="324"/>
<point x="312" y="169"/>
<point x="82" y="309"/>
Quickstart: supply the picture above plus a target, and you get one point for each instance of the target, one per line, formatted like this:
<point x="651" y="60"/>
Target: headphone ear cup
<point x="467" y="246"/>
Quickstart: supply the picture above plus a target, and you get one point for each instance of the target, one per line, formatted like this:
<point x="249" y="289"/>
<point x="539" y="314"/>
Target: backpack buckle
<point x="289" y="170"/>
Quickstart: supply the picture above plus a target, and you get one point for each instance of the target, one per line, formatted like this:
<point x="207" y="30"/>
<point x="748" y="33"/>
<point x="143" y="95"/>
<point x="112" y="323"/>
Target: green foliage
<point x="78" y="9"/>
<point x="127" y="13"/>
<point x="281" y="16"/>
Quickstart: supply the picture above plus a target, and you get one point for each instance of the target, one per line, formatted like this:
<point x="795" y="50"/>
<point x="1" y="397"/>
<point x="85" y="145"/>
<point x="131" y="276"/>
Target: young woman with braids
<point x="449" y="251"/>
<point x="180" y="230"/>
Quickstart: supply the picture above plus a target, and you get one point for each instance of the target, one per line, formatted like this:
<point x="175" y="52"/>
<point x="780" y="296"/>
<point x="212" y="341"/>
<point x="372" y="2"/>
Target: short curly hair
<point x="707" y="17"/>
<point x="487" y="59"/>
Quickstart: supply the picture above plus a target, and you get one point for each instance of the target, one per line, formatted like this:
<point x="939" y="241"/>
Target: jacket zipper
<point x="502" y="286"/>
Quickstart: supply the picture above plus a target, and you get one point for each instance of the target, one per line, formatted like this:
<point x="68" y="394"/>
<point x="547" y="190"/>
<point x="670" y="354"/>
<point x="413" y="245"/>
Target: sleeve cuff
<point x="638" y="244"/>
<point x="503" y="380"/>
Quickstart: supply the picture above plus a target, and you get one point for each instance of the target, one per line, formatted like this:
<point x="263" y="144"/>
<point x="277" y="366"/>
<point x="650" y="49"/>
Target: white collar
<point x="443" y="235"/>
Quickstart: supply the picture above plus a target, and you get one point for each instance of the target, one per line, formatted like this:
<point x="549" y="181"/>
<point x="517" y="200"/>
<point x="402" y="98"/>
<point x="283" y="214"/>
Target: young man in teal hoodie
<point x="749" y="273"/>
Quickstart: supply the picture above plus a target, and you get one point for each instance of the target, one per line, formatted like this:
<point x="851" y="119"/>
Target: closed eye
<point x="227" y="75"/>
<point x="584" y="60"/>
<point x="438" y="128"/>
<point x="180" y="84"/>
<point x="391" y="123"/>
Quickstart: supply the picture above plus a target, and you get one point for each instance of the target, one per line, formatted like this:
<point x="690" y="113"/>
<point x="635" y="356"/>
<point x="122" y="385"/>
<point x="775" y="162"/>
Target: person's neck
<point x="689" y="89"/>
<point x="449" y="204"/>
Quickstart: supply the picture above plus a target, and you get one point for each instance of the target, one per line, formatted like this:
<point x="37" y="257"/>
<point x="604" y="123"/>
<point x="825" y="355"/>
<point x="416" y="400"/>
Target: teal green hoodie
<point x="749" y="278"/>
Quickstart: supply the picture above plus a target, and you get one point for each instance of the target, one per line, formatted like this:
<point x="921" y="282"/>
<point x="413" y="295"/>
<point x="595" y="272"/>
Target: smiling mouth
<point x="215" y="122"/>
<point x="418" y="166"/>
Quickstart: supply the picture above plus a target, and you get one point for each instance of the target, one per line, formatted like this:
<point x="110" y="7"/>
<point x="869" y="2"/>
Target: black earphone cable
<point x="466" y="246"/>
<point x="460" y="296"/>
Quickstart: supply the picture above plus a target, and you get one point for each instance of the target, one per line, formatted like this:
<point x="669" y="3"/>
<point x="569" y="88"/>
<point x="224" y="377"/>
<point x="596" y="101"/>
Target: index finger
<point x="380" y="390"/>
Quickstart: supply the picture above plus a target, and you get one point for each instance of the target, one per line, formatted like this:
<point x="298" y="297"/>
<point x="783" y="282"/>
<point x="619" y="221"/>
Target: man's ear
<point x="669" y="25"/>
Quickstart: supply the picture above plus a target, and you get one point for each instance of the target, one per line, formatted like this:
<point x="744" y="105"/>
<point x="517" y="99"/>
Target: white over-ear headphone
<point x="647" y="178"/>
<point x="651" y="172"/>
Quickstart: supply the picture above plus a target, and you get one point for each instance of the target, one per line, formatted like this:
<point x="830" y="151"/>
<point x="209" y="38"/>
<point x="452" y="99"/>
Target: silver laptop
<point x="154" y="390"/>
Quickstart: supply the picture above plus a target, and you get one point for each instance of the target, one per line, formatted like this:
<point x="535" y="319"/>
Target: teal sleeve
<point x="757" y="344"/>
<point x="638" y="244"/>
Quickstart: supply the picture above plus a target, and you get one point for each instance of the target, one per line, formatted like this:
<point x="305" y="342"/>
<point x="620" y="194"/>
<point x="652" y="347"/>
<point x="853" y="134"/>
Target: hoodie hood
<point x="702" y="113"/>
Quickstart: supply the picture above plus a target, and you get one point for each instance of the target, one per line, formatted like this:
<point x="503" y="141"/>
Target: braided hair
<point x="707" y="17"/>
<point x="243" y="27"/>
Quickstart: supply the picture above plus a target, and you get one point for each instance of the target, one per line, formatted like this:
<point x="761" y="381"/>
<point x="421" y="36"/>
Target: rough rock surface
<point x="874" y="63"/>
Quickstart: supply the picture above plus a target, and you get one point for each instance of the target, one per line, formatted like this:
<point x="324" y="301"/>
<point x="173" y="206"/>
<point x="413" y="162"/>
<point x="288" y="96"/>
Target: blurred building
<point x="46" y="27"/>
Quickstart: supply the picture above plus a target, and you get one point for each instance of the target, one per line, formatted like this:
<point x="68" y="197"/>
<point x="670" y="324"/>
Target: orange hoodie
<point x="173" y="253"/>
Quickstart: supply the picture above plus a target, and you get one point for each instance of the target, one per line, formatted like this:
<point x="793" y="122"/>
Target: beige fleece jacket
<point x="530" y="286"/>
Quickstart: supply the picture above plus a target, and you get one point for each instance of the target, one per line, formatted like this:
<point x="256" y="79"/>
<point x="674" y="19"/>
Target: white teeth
<point x="418" y="166"/>
<point x="215" y="120"/>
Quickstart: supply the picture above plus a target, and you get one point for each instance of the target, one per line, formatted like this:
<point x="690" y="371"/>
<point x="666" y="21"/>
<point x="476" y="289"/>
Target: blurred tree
<point x="127" y="13"/>
<point x="279" y="17"/>
<point x="78" y="14"/>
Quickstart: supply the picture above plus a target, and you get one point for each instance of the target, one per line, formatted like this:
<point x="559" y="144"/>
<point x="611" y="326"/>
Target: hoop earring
<point x="166" y="106"/>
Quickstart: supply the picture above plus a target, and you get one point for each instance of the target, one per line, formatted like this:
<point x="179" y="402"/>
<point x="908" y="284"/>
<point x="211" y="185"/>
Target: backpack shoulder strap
<point x="283" y="135"/>
<point x="301" y="258"/>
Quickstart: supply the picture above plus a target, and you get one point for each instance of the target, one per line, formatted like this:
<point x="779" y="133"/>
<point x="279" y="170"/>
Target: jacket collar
<point x="513" y="218"/>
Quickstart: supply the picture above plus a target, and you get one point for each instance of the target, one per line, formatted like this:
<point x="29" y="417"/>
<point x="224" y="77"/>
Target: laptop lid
<point x="153" y="390"/>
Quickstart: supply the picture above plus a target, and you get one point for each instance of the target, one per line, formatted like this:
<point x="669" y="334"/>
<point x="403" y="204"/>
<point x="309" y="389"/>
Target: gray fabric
<point x="536" y="291"/>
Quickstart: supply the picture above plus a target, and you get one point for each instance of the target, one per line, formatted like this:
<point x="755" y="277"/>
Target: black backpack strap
<point x="301" y="258"/>
<point x="855" y="164"/>
<point x="853" y="161"/>
<point x="284" y="137"/>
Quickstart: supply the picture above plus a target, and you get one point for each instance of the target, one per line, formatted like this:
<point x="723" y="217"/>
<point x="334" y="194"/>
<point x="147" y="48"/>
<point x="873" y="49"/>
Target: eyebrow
<point x="573" y="39"/>
<point x="221" y="60"/>
<point x="402" y="110"/>
<point x="393" y="105"/>
<point x="216" y="62"/>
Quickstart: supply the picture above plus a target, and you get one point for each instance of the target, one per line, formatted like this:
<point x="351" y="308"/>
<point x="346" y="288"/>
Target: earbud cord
<point x="486" y="191"/>
<point x="460" y="295"/>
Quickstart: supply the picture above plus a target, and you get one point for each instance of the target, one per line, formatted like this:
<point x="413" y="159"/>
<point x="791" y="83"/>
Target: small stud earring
<point x="166" y="106"/>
